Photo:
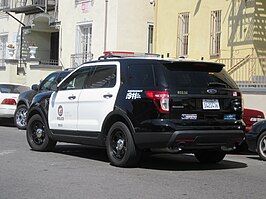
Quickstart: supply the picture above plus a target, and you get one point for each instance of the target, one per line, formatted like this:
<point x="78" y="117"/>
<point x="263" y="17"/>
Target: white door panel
<point x="96" y="103"/>
<point x="94" y="106"/>
<point x="62" y="114"/>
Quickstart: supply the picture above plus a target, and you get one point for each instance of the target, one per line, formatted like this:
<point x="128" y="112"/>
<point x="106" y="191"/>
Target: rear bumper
<point x="189" y="139"/>
<point x="7" y="112"/>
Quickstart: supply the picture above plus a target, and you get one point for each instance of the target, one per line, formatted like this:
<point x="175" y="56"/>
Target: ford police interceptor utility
<point x="132" y="104"/>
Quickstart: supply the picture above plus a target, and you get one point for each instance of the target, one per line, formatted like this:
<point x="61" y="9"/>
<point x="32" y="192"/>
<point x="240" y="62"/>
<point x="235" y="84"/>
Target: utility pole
<point x="105" y="25"/>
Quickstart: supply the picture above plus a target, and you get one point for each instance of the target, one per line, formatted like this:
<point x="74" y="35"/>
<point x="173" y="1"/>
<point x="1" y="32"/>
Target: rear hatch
<point x="202" y="95"/>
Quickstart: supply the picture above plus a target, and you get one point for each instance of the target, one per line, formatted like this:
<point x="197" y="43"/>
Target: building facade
<point x="66" y="33"/>
<point x="229" y="31"/>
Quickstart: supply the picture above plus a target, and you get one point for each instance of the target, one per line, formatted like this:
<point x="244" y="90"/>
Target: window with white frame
<point x="183" y="32"/>
<point x="83" y="44"/>
<point x="3" y="3"/>
<point x="150" y="38"/>
<point x="3" y="46"/>
<point x="215" y="33"/>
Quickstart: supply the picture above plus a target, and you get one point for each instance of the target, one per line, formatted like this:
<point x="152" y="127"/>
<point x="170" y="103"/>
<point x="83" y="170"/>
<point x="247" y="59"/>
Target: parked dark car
<point x="25" y="98"/>
<point x="256" y="139"/>
<point x="251" y="116"/>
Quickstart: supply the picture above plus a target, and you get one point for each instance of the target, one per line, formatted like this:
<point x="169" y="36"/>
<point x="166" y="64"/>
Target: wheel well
<point x="257" y="139"/>
<point x="113" y="119"/>
<point x="34" y="112"/>
<point x="21" y="103"/>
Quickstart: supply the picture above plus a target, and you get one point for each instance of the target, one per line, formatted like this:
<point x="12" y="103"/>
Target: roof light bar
<point x="129" y="54"/>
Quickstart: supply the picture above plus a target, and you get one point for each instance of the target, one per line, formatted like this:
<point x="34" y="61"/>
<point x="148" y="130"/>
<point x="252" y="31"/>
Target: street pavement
<point x="75" y="171"/>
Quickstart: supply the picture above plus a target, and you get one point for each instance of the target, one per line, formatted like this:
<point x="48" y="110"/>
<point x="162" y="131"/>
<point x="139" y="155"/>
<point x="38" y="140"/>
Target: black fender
<point x="23" y="101"/>
<point x="114" y="116"/>
<point x="40" y="106"/>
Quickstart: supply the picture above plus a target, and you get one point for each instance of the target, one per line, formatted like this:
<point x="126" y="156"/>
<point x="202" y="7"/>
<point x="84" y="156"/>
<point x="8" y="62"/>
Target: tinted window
<point x="141" y="75"/>
<point x="7" y="88"/>
<point x="49" y="82"/>
<point x="103" y="77"/>
<point x="197" y="76"/>
<point x="77" y="79"/>
<point x="62" y="76"/>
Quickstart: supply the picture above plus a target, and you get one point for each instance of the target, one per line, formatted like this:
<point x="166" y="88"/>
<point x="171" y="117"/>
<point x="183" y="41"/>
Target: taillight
<point x="160" y="99"/>
<point x="9" y="101"/>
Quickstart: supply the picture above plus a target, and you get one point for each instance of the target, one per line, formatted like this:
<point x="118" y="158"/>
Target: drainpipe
<point x="46" y="5"/>
<point x="105" y="25"/>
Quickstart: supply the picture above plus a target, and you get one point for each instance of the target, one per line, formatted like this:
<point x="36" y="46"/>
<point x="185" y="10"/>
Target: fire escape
<point x="38" y="28"/>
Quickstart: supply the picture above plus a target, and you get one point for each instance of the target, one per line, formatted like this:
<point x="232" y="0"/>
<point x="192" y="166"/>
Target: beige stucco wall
<point x="237" y="27"/>
<point x="255" y="101"/>
<point x="127" y="26"/>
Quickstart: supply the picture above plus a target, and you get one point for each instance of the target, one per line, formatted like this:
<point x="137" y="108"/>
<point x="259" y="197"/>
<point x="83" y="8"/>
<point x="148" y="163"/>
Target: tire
<point x="261" y="146"/>
<point x="37" y="136"/>
<point x="209" y="156"/>
<point x="20" y="116"/>
<point x="120" y="146"/>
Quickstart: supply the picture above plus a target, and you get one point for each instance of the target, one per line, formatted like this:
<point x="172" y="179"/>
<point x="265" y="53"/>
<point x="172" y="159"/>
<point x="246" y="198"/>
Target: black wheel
<point x="120" y="146"/>
<point x="210" y="156"/>
<point x="261" y="146"/>
<point x="37" y="136"/>
<point x="20" y="116"/>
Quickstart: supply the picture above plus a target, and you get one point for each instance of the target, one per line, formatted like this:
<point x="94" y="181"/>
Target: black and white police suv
<point x="129" y="105"/>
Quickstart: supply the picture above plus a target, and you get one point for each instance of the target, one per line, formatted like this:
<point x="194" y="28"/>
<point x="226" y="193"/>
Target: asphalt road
<point x="74" y="171"/>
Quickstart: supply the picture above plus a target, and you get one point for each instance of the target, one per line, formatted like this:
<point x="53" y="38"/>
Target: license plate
<point x="210" y="104"/>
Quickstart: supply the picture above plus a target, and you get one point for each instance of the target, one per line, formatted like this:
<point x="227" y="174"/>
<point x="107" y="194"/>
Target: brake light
<point x="160" y="99"/>
<point x="8" y="101"/>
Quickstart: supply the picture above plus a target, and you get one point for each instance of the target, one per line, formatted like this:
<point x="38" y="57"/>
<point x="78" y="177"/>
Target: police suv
<point x="132" y="104"/>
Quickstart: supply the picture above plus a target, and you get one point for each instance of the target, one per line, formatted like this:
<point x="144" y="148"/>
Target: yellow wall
<point x="238" y="27"/>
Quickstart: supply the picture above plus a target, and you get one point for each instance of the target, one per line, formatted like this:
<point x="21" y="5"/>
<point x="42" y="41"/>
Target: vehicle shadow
<point x="170" y="162"/>
<point x="7" y="122"/>
<point x="185" y="162"/>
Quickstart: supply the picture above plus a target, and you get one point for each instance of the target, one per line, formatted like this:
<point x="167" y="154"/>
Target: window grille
<point x="183" y="33"/>
<point x="83" y="44"/>
<point x="215" y="33"/>
<point x="3" y="46"/>
<point x="150" y="38"/>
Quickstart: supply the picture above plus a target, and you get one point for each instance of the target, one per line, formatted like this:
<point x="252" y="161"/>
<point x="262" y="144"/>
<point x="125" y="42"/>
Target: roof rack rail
<point x="123" y="54"/>
<point x="108" y="56"/>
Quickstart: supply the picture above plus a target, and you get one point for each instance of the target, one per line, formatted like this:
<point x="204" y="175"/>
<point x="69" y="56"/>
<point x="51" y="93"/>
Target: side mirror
<point x="35" y="87"/>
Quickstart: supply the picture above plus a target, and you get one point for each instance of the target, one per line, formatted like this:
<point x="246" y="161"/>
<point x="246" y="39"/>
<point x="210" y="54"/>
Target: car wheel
<point x="261" y="146"/>
<point x="121" y="149"/>
<point x="37" y="136"/>
<point x="20" y="116"/>
<point x="210" y="156"/>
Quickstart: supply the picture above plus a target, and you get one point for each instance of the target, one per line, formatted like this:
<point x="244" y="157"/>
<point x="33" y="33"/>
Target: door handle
<point x="72" y="97"/>
<point x="107" y="96"/>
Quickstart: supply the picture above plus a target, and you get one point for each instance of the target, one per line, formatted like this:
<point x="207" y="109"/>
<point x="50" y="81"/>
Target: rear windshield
<point x="197" y="75"/>
<point x="7" y="88"/>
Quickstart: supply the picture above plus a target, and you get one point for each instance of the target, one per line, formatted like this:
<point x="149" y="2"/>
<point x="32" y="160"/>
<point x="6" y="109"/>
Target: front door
<point x="63" y="107"/>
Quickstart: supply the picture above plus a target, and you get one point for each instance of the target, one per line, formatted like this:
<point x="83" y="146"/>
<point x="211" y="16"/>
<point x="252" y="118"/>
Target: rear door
<point x="201" y="94"/>
<point x="98" y="97"/>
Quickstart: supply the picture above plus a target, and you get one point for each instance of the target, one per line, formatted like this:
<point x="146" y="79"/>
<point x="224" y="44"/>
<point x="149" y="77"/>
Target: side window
<point x="77" y="79"/>
<point x="48" y="82"/>
<point x="103" y="77"/>
<point x="61" y="76"/>
<point x="141" y="75"/>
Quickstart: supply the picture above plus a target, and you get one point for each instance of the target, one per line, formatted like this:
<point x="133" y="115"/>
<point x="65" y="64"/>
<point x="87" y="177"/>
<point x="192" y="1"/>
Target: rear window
<point x="141" y="75"/>
<point x="7" y="88"/>
<point x="197" y="75"/>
